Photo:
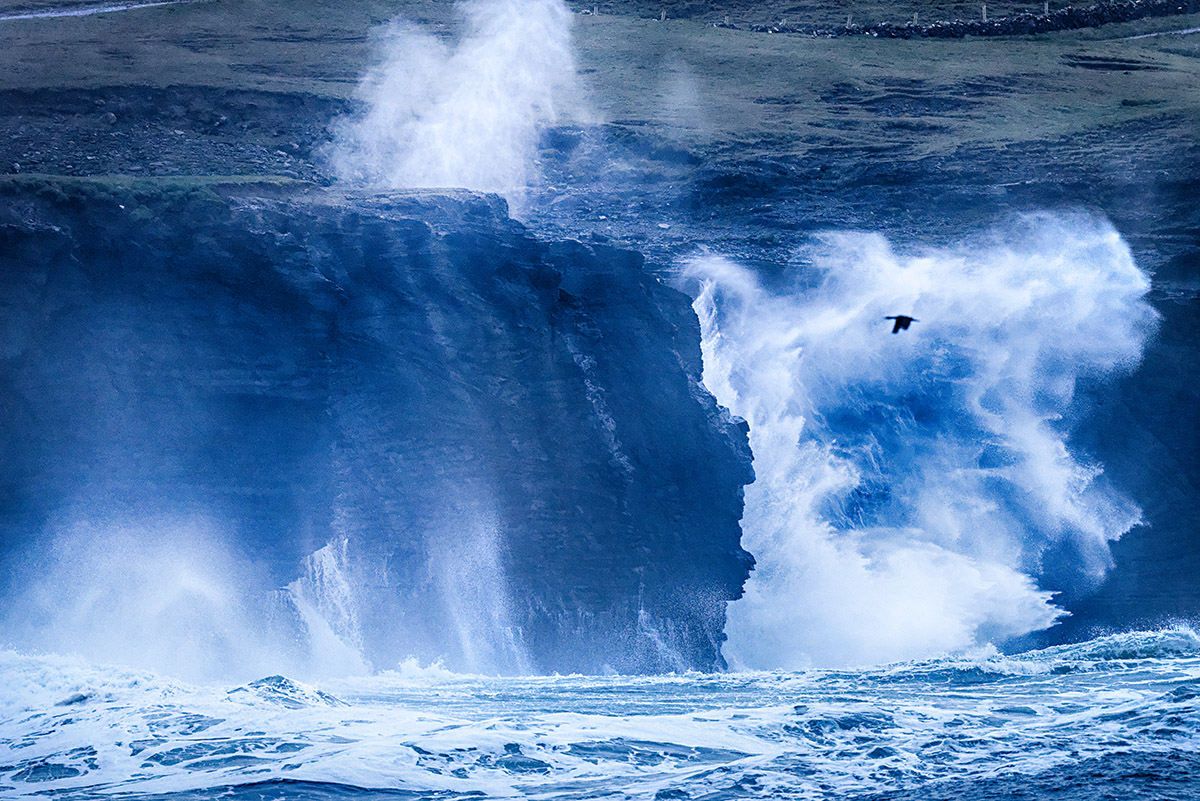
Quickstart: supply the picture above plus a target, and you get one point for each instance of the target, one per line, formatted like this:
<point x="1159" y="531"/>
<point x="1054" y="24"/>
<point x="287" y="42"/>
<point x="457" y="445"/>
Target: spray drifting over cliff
<point x="910" y="486"/>
<point x="469" y="114"/>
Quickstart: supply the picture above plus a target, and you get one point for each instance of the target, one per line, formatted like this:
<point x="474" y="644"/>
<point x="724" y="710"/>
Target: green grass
<point x="705" y="86"/>
<point x="823" y="12"/>
<point x="796" y="92"/>
<point x="137" y="191"/>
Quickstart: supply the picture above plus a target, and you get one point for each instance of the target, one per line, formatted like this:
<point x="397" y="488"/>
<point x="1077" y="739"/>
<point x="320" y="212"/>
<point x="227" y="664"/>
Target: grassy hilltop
<point x="701" y="86"/>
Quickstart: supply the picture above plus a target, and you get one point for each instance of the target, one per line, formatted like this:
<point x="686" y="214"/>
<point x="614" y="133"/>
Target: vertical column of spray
<point x="469" y="114"/>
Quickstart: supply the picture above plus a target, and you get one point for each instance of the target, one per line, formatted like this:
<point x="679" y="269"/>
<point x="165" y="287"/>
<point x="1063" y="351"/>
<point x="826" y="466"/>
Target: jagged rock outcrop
<point x="509" y="436"/>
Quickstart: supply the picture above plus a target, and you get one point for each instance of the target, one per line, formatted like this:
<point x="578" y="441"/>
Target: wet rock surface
<point x="510" y="434"/>
<point x="775" y="138"/>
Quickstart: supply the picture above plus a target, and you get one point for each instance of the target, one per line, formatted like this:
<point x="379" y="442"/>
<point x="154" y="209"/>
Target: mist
<point x="911" y="488"/>
<point x="467" y="113"/>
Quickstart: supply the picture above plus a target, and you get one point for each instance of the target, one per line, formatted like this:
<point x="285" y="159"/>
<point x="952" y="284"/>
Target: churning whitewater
<point x="913" y="491"/>
<point x="1123" y="705"/>
<point x="913" y="488"/>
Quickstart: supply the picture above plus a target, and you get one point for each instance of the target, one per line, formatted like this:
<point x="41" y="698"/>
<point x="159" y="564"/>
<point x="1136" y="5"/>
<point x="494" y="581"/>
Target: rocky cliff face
<point x="503" y="442"/>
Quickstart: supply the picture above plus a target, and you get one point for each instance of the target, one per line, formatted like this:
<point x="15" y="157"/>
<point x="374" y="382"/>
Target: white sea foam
<point x="909" y="486"/>
<point x="467" y="114"/>
<point x="69" y="727"/>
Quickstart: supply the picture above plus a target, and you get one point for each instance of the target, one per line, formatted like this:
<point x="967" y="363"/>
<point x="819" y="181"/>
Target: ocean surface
<point x="1115" y="717"/>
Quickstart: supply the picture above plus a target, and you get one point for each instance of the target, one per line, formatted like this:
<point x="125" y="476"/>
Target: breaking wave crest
<point x="917" y="494"/>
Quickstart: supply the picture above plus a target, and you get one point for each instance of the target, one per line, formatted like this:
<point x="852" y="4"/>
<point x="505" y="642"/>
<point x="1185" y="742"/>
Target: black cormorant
<point x="903" y="321"/>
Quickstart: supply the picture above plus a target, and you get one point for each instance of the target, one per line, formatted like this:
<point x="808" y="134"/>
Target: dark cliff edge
<point x="509" y="436"/>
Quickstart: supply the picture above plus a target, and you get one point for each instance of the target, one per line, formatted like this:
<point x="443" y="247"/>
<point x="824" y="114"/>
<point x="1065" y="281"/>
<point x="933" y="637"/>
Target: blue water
<point x="1120" y="713"/>
<point x="915" y="495"/>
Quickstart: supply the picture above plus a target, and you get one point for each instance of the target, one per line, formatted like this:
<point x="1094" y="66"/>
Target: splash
<point x="161" y="594"/>
<point x="468" y="115"/>
<point x="325" y="601"/>
<point x="473" y="583"/>
<point x="911" y="487"/>
<point x="172" y="595"/>
<point x="175" y="596"/>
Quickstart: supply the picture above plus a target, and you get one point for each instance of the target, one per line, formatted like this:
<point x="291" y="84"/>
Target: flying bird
<point x="903" y="321"/>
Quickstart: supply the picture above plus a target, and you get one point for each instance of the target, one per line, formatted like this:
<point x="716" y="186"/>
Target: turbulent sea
<point x="1119" y="715"/>
<point x="916" y="492"/>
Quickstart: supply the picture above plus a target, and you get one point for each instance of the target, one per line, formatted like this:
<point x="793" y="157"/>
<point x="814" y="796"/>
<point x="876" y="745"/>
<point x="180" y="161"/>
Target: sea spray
<point x="325" y="600"/>
<point x="162" y="593"/>
<point x="473" y="584"/>
<point x="170" y="594"/>
<point x="911" y="486"/>
<point x="468" y="114"/>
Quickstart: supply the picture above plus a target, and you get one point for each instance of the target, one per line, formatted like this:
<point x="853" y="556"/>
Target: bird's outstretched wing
<point x="902" y="322"/>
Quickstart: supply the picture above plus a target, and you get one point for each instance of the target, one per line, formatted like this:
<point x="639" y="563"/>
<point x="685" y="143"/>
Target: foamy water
<point x="78" y="730"/>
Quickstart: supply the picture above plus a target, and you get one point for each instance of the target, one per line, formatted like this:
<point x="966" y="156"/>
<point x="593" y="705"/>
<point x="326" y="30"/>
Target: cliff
<point x="505" y="440"/>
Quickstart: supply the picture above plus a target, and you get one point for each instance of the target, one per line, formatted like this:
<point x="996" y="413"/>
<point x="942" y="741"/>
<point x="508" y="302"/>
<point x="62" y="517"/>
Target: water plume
<point x="172" y="595"/>
<point x="325" y="600"/>
<point x="475" y="590"/>
<point x="912" y="487"/>
<point x="163" y="594"/>
<point x="467" y="114"/>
